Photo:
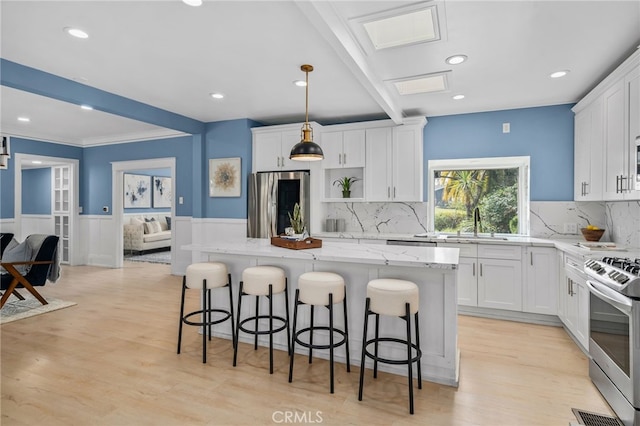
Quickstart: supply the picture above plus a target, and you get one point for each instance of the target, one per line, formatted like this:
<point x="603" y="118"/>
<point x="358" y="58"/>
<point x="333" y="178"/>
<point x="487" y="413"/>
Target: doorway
<point x="118" y="170"/>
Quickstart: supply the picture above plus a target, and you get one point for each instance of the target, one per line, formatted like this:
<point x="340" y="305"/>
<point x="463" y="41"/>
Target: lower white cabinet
<point x="574" y="300"/>
<point x="540" y="280"/>
<point x="489" y="275"/>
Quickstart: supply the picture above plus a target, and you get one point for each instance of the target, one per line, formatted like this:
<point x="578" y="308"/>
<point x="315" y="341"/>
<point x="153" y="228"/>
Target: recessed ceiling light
<point x="86" y="107"/>
<point x="24" y="119"/>
<point x="559" y="74"/>
<point x="76" y="32"/>
<point x="300" y="83"/>
<point x="193" y="2"/>
<point x="36" y="162"/>
<point x="217" y="95"/>
<point x="457" y="97"/>
<point x="456" y="59"/>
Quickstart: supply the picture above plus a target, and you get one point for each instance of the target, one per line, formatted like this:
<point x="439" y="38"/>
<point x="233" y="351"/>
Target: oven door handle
<point x="610" y="296"/>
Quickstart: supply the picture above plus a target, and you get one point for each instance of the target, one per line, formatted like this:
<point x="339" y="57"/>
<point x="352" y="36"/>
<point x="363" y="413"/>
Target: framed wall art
<point x="161" y="192"/>
<point x="224" y="177"/>
<point x="137" y="191"/>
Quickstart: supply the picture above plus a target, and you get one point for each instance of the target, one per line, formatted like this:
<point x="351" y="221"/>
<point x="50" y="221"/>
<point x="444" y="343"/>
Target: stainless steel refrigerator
<point x="272" y="196"/>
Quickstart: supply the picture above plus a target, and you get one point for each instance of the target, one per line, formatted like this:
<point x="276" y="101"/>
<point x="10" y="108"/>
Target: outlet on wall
<point x="570" y="228"/>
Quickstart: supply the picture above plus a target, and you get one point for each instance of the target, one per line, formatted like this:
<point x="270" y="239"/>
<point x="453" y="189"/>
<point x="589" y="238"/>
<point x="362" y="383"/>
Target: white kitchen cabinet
<point x="574" y="301"/>
<point x="272" y="145"/>
<point x="343" y="149"/>
<point x="588" y="148"/>
<point x="540" y="283"/>
<point x="489" y="275"/>
<point x="614" y="155"/>
<point x="610" y="113"/>
<point x="394" y="163"/>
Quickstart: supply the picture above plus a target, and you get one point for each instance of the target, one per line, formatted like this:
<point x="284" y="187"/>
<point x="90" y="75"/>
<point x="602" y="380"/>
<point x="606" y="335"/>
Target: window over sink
<point x="497" y="187"/>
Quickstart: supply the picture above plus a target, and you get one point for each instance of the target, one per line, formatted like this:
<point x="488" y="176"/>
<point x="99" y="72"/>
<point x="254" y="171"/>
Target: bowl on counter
<point x="592" y="234"/>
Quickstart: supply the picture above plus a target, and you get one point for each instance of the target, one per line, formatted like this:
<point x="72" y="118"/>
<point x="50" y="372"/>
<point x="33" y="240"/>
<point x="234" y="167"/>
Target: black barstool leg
<point x="184" y="288"/>
<point x="208" y="309"/>
<point x="364" y="347"/>
<point x="375" y="360"/>
<point x="331" y="339"/>
<point x="255" y="340"/>
<point x="270" y="329"/>
<point x="293" y="340"/>
<point x="407" y="317"/>
<point x="235" y="349"/>
<point x="233" y="329"/>
<point x="311" y="335"/>
<point x="346" y="331"/>
<point x="286" y="308"/>
<point x="417" y="321"/>
<point x="204" y="322"/>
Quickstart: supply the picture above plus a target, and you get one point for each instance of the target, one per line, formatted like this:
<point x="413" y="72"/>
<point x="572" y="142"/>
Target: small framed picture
<point x="161" y="192"/>
<point x="137" y="191"/>
<point x="224" y="177"/>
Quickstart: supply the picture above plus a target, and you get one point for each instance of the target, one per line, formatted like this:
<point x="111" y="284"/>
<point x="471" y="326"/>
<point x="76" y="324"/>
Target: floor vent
<point x="593" y="419"/>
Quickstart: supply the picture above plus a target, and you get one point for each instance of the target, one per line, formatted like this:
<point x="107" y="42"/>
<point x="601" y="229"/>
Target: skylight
<point x="421" y="84"/>
<point x="398" y="29"/>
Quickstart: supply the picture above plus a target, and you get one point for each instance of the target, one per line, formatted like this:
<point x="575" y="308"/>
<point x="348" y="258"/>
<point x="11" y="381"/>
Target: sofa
<point x="147" y="232"/>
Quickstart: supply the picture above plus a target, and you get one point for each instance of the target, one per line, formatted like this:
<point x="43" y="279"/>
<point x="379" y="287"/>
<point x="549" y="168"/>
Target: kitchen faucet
<point x="476" y="221"/>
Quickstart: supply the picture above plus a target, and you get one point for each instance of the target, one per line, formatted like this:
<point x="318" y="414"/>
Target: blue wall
<point x="544" y="133"/>
<point x="36" y="191"/>
<point x="96" y="169"/>
<point x="26" y="146"/>
<point x="228" y="139"/>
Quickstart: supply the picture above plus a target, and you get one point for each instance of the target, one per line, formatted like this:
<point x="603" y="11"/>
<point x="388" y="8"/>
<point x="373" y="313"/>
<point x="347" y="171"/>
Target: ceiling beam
<point x="327" y="21"/>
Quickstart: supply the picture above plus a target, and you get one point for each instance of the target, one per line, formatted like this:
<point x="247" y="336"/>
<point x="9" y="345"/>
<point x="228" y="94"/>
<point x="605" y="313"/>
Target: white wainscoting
<point x="8" y="225"/>
<point x="204" y="230"/>
<point x="97" y="240"/>
<point x="37" y="224"/>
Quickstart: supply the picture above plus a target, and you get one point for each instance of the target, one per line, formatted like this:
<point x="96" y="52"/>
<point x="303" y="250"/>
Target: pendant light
<point x="306" y="149"/>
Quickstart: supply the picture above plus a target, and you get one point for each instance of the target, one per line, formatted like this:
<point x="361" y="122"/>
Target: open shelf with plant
<point x="344" y="184"/>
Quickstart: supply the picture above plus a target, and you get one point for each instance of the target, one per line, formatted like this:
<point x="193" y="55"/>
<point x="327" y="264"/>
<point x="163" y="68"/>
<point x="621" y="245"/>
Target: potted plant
<point x="297" y="220"/>
<point x="345" y="183"/>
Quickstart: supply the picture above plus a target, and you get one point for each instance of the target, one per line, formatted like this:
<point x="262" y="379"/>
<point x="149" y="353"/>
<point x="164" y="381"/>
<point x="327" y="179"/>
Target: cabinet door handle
<point x="474" y="269"/>
<point x="388" y="192"/>
<point x="394" y="192"/>
<point x="339" y="158"/>
<point x="622" y="187"/>
<point x="481" y="269"/>
<point x="531" y="258"/>
<point x="618" y="184"/>
<point x="344" y="158"/>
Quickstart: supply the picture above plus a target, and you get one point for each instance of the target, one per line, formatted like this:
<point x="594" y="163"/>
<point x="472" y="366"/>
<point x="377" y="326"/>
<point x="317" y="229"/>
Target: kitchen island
<point x="433" y="269"/>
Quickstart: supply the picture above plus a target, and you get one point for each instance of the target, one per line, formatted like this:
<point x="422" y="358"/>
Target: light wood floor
<point x="111" y="360"/>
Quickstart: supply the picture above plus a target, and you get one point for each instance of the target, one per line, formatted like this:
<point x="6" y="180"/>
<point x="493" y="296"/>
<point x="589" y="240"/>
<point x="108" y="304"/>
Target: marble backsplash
<point x="547" y="218"/>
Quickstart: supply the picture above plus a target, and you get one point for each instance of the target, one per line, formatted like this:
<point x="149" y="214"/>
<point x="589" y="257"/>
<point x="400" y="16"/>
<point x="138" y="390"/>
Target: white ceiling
<point x="172" y="56"/>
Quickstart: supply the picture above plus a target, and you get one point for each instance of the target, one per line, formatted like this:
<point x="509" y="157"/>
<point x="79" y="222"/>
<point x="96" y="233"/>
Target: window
<point x="497" y="187"/>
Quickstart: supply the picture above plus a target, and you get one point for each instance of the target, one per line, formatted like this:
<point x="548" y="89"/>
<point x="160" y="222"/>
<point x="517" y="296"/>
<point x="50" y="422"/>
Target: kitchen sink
<point x="475" y="237"/>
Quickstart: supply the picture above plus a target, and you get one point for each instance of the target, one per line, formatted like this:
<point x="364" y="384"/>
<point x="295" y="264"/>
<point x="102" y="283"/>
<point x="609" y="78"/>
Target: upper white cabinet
<point x="606" y="127"/>
<point x="272" y="145"/>
<point x="589" y="145"/>
<point x="343" y="149"/>
<point x="394" y="163"/>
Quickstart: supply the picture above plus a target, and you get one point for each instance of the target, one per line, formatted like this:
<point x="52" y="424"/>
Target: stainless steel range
<point x="614" y="333"/>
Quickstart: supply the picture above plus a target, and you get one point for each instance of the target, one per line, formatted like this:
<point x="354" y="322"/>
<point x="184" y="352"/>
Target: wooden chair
<point x="37" y="275"/>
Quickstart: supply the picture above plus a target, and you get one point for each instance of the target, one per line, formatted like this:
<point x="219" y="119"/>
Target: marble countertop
<point x="567" y="245"/>
<point x="374" y="254"/>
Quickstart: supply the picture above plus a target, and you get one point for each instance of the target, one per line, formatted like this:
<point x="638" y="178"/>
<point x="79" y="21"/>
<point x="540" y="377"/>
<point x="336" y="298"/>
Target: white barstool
<point x="396" y="298"/>
<point x="206" y="276"/>
<point x="263" y="281"/>
<point x="320" y="289"/>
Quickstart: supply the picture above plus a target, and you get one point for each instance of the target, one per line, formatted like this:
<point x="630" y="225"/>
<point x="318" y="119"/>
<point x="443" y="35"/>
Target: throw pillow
<point x="19" y="253"/>
<point x="152" y="227"/>
<point x="136" y="221"/>
<point x="168" y="219"/>
<point x="146" y="219"/>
